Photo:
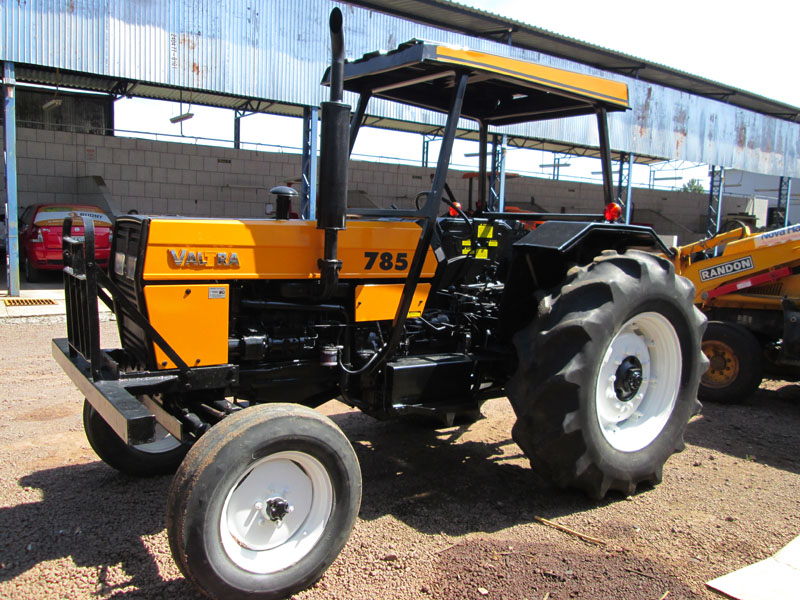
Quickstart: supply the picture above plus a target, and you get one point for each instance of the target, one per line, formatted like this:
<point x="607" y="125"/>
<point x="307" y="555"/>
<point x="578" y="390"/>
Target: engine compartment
<point x="289" y="346"/>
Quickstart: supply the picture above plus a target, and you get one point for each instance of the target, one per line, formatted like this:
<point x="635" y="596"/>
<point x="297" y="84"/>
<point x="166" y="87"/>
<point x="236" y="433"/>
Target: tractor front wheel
<point x="263" y="503"/>
<point x="608" y="374"/>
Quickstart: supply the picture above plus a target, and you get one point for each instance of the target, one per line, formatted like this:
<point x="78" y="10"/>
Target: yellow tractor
<point x="233" y="330"/>
<point x="748" y="285"/>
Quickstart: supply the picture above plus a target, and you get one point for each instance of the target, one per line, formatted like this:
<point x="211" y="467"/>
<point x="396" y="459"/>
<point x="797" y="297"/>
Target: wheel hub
<point x="277" y="508"/>
<point x="723" y="367"/>
<point x="717" y="363"/>
<point x="276" y="512"/>
<point x="636" y="386"/>
<point x="628" y="378"/>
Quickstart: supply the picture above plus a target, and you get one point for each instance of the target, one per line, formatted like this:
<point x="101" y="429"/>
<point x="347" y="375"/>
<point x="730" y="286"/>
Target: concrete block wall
<point x="184" y="179"/>
<point x="671" y="213"/>
<point x="150" y="176"/>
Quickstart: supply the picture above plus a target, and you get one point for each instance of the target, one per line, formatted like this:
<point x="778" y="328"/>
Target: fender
<point x="566" y="236"/>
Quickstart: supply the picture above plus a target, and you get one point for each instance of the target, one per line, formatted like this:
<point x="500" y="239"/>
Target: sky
<point x="745" y="44"/>
<point x="749" y="45"/>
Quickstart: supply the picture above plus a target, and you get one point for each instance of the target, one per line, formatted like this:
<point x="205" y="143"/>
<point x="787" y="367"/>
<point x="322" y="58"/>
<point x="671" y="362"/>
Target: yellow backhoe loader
<point x="748" y="284"/>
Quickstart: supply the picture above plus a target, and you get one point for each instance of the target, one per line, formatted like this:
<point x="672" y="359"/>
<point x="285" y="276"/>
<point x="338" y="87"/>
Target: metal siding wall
<point x="278" y="50"/>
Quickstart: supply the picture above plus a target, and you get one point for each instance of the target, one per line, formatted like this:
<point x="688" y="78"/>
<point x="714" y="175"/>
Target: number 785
<point x="386" y="261"/>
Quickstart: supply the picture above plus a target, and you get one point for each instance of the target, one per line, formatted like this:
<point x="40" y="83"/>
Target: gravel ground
<point x="447" y="514"/>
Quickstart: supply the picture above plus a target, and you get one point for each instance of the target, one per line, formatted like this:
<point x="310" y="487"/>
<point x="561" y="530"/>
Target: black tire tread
<point x="553" y="363"/>
<point x="202" y="457"/>
<point x="126" y="459"/>
<point x="751" y="365"/>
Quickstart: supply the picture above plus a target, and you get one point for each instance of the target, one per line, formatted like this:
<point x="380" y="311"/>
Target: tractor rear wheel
<point x="263" y="503"/>
<point x="608" y="374"/>
<point x="735" y="365"/>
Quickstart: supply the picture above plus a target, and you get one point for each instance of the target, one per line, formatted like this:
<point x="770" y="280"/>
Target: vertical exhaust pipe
<point x="337" y="55"/>
<point x="334" y="157"/>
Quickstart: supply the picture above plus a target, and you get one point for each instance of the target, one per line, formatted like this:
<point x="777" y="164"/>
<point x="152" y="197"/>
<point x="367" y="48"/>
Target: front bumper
<point x="124" y="413"/>
<point x="125" y="400"/>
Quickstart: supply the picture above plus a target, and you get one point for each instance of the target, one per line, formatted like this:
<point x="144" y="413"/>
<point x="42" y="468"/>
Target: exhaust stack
<point x="334" y="158"/>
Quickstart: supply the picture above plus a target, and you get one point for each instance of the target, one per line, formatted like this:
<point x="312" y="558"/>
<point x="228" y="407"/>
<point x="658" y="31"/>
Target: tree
<point x="694" y="186"/>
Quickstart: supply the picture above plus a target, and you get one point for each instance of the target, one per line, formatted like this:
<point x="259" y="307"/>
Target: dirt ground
<point x="446" y="514"/>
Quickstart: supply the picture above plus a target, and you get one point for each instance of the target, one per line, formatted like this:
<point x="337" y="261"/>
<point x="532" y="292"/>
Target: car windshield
<point x="55" y="215"/>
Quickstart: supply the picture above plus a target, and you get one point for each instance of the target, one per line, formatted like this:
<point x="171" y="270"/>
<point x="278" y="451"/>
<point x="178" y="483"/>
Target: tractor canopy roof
<point x="500" y="90"/>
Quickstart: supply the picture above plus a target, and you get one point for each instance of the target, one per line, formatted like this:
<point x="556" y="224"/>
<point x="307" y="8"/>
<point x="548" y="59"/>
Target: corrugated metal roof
<point x="471" y="21"/>
<point x="232" y="52"/>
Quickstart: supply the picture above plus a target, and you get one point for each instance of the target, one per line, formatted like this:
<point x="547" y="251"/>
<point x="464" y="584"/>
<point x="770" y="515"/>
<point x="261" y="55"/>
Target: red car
<point x="40" y="235"/>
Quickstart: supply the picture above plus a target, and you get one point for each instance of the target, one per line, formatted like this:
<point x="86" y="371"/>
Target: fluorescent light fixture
<point x="51" y="104"/>
<point x="565" y="164"/>
<point x="666" y="178"/>
<point x="180" y="118"/>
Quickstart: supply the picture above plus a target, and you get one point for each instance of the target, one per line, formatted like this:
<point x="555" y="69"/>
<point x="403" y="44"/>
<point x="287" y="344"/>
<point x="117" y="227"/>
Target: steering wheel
<point x="451" y="202"/>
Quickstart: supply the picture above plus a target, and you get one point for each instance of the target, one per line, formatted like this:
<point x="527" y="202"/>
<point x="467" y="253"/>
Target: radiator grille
<point x="128" y="241"/>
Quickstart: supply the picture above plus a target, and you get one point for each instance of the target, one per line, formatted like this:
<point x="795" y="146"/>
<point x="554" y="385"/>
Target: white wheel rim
<point x="251" y="538"/>
<point x="162" y="442"/>
<point x="631" y="423"/>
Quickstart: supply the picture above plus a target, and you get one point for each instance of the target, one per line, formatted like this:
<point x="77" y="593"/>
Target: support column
<point x="784" y="199"/>
<point x="714" y="222"/>
<point x="238" y="115"/>
<point x="483" y="143"/>
<point x="10" y="146"/>
<point x="629" y="191"/>
<point x="308" y="196"/>
<point x="426" y="148"/>
<point x="501" y="194"/>
<point x="605" y="156"/>
<point x="497" y="178"/>
<point x="237" y="128"/>
<point x="624" y="185"/>
<point x="495" y="169"/>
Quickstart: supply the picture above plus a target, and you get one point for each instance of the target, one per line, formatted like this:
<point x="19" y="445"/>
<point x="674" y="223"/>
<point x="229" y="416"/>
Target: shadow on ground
<point x="765" y="428"/>
<point x="96" y="517"/>
<point x="436" y="482"/>
<point x="429" y="479"/>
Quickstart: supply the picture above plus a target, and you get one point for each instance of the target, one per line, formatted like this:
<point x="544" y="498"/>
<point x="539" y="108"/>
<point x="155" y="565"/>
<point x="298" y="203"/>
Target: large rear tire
<point x="735" y="367"/>
<point x="608" y="374"/>
<point x="263" y="503"/>
<point x="158" y="457"/>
